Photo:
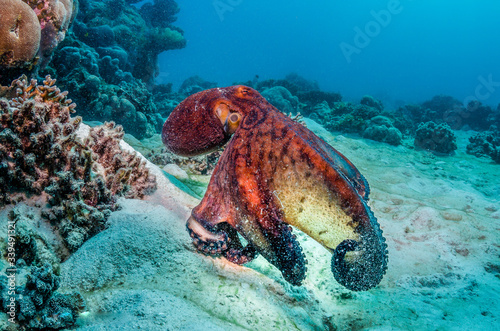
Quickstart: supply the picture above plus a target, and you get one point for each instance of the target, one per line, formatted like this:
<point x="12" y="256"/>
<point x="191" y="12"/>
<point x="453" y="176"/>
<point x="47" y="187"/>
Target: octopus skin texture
<point x="274" y="174"/>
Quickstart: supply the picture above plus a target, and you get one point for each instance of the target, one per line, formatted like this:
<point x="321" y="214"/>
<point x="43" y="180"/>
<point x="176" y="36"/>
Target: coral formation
<point x="349" y="118"/>
<point x="446" y="109"/>
<point x="40" y="153"/>
<point x="30" y="30"/>
<point x="282" y="99"/>
<point x="39" y="305"/>
<point x="310" y="99"/>
<point x="112" y="26"/>
<point x="380" y="128"/>
<point x="72" y="185"/>
<point x="438" y="138"/>
<point x="105" y="91"/>
<point x="485" y="144"/>
<point x="32" y="247"/>
<point x="370" y="101"/>
<point x="124" y="172"/>
<point x="477" y="116"/>
<point x="19" y="34"/>
<point x="440" y="108"/>
<point x="195" y="84"/>
<point x="55" y="18"/>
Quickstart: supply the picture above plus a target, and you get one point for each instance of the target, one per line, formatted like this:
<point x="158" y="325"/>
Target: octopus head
<point x="206" y="120"/>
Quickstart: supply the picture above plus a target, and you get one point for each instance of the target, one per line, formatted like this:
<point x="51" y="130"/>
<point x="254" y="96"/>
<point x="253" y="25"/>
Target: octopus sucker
<point x="273" y="174"/>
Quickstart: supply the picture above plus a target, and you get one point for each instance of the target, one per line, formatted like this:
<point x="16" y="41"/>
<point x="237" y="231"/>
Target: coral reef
<point x="370" y="101"/>
<point x="165" y="100"/>
<point x="485" y="144"/>
<point x="104" y="91"/>
<point x="40" y="153"/>
<point x="112" y="52"/>
<point x="478" y="116"/>
<point x="31" y="246"/>
<point x="30" y="30"/>
<point x="39" y="305"/>
<point x="446" y="109"/>
<point x="350" y="118"/>
<point x="195" y="84"/>
<point x="380" y="128"/>
<point x="310" y="99"/>
<point x="124" y="172"/>
<point x="282" y="99"/>
<point x="111" y="27"/>
<point x="407" y="117"/>
<point x="70" y="185"/>
<point x="20" y="48"/>
<point x="55" y="18"/>
<point x="438" y="138"/>
<point x="440" y="109"/>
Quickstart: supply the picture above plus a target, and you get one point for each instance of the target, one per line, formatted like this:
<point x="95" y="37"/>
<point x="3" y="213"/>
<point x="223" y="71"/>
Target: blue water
<point x="410" y="51"/>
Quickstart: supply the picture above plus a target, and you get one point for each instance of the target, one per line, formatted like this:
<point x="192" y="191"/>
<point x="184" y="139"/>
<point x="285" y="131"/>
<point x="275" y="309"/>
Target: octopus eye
<point x="232" y="123"/>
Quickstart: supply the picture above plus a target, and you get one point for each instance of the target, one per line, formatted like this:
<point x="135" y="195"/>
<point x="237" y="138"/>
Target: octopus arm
<point x="336" y="160"/>
<point x="262" y="224"/>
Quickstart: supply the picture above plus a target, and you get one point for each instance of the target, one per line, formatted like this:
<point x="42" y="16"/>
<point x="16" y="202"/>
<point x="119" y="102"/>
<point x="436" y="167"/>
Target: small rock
<point x="491" y="207"/>
<point x="451" y="216"/>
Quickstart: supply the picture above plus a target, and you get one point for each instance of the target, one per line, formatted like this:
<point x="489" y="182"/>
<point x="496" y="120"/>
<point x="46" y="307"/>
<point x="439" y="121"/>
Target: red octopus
<point x="275" y="173"/>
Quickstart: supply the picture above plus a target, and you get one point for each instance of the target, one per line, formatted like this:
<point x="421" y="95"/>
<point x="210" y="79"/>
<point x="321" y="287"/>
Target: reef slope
<point x="440" y="215"/>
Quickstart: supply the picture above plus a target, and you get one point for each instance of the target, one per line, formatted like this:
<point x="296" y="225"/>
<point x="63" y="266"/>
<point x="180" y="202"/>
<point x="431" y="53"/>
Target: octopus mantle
<point x="275" y="174"/>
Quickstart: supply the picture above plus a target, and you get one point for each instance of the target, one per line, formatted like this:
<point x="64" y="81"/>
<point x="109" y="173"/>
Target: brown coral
<point x="41" y="153"/>
<point x="125" y="172"/>
<point x="55" y="17"/>
<point x="19" y="34"/>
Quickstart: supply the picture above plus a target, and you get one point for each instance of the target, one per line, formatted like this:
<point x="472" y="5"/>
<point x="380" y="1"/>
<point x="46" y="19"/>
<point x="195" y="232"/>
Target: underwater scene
<point x="249" y="165"/>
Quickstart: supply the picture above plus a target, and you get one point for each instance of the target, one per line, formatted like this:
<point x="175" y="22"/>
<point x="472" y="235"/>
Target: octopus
<point x="274" y="176"/>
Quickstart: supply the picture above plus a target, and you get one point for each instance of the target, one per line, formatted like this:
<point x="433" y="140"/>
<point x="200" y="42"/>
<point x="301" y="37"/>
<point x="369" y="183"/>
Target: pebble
<point x="451" y="216"/>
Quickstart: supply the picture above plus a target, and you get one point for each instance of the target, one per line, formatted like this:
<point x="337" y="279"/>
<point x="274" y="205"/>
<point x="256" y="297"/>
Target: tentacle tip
<point x="362" y="272"/>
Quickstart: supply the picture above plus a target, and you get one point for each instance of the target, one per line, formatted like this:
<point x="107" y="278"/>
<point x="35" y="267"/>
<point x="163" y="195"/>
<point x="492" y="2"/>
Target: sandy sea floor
<point x="440" y="216"/>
